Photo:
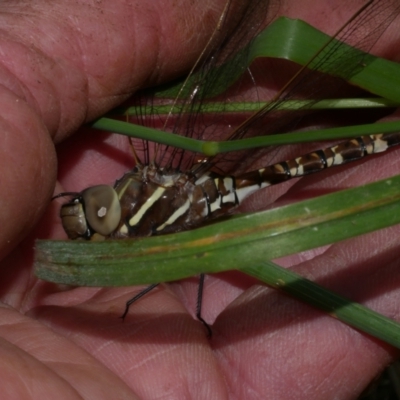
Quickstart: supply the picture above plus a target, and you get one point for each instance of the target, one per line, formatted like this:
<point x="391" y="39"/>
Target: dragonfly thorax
<point x="147" y="201"/>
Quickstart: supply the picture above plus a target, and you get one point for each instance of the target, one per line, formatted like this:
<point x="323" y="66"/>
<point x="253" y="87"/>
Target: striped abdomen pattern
<point x="155" y="201"/>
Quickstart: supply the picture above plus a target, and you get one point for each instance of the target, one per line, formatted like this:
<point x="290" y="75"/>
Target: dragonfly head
<point x="95" y="210"/>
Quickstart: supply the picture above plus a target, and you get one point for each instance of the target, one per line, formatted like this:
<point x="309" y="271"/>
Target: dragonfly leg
<point x="199" y="305"/>
<point x="137" y="297"/>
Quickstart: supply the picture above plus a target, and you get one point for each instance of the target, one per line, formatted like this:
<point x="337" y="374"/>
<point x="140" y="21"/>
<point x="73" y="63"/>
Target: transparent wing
<point x="226" y="60"/>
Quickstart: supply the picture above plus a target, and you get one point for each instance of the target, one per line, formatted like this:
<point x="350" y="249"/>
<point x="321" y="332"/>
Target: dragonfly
<point x="169" y="191"/>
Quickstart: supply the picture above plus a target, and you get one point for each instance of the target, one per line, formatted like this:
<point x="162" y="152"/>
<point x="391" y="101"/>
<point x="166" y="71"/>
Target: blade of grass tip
<point x="345" y="310"/>
<point x="297" y="41"/>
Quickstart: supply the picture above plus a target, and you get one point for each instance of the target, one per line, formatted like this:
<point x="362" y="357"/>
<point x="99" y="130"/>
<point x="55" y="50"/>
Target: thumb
<point x="68" y="63"/>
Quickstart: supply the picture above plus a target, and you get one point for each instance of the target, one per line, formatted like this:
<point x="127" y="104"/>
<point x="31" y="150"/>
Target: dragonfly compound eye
<point x="102" y="208"/>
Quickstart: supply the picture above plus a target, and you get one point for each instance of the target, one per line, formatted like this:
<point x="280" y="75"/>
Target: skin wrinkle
<point x="43" y="68"/>
<point x="154" y="355"/>
<point x="50" y="109"/>
<point x="8" y="65"/>
<point x="191" y="36"/>
<point x="60" y="367"/>
<point x="29" y="377"/>
<point x="8" y="127"/>
<point x="40" y="352"/>
<point x="332" y="365"/>
<point x="140" y="43"/>
<point x="153" y="73"/>
<point x="60" y="41"/>
<point x="11" y="82"/>
<point x="336" y="369"/>
<point x="39" y="90"/>
<point x="253" y="350"/>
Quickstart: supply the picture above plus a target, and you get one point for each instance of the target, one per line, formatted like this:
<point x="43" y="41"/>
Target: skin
<point x="62" y="65"/>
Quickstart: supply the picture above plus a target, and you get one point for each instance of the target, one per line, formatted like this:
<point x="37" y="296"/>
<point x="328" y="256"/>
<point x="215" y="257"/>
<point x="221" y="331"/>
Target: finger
<point x="35" y="359"/>
<point x="74" y="68"/>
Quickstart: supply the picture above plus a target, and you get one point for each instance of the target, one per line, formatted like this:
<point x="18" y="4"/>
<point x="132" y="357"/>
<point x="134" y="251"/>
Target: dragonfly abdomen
<point x="342" y="153"/>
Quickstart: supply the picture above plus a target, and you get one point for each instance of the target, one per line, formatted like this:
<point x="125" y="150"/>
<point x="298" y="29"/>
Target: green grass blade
<point x="297" y="41"/>
<point x="142" y="132"/>
<point x="345" y="310"/>
<point x="212" y="148"/>
<point x="243" y="240"/>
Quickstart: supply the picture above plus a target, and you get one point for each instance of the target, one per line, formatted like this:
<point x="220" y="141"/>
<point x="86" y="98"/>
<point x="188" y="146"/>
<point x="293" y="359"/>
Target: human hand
<point x="70" y="70"/>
